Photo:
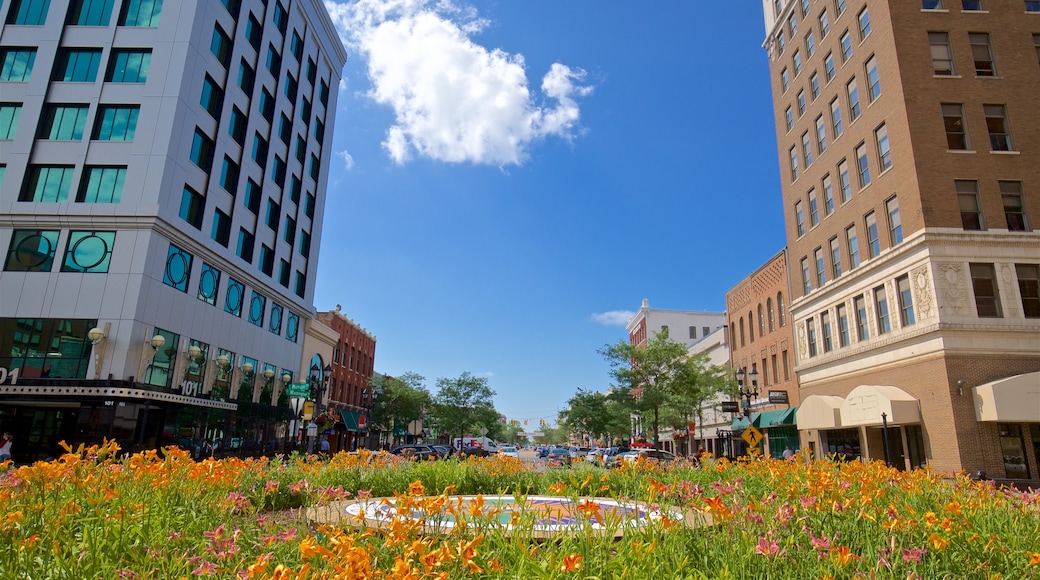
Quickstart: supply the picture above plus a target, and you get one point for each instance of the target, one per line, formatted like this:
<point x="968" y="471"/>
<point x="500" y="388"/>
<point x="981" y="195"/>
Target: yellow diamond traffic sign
<point x="752" y="436"/>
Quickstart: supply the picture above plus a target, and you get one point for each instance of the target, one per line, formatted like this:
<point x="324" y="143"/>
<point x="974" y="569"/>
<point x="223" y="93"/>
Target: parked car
<point x="543" y="451"/>
<point x="510" y="451"/>
<point x="416" y="451"/>
<point x="558" y="456"/>
<point x="446" y="451"/>
<point x="578" y="453"/>
<point x="473" y="452"/>
<point x="601" y="455"/>
<point x="630" y="457"/>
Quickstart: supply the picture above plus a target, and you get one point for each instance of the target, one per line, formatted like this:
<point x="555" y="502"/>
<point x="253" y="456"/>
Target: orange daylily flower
<point x="1034" y="559"/>
<point x="557" y="487"/>
<point x="938" y="542"/>
<point x="571" y="563"/>
<point x="843" y="555"/>
<point x="416" y="488"/>
<point x="589" y="508"/>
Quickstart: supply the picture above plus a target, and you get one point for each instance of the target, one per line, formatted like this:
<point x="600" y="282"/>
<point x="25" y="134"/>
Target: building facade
<point x="763" y="343"/>
<point x="909" y="145"/>
<point x="350" y="384"/>
<point x="683" y="326"/>
<point x="163" y="168"/>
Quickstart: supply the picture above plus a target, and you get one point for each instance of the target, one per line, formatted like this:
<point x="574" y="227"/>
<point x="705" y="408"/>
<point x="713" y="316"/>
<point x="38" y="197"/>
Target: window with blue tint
<point x="252" y="197"/>
<point x="76" y="65"/>
<point x="212" y="97"/>
<point x="906" y="301"/>
<point x="220" y="46"/>
<point x="237" y="125"/>
<point x="846" y="46"/>
<point x="305" y="243"/>
<point x="259" y="153"/>
<point x="16" y="64"/>
<point x="245" y="245"/>
<point x="266" y="105"/>
<point x="128" y="65"/>
<point x="257" y="306"/>
<point x="864" y="23"/>
<point x="115" y="123"/>
<point x="821" y="135"/>
<point x="884" y="323"/>
<point x="295" y="187"/>
<point x="274" y="60"/>
<point x="312" y="73"/>
<point x="1032" y="5"/>
<point x="281" y="17"/>
<point x="323" y="93"/>
<point x="821" y="269"/>
<point x="233" y="6"/>
<point x="275" y="324"/>
<point x="301" y="284"/>
<point x="254" y="32"/>
<point x="292" y="327"/>
<point x="246" y="77"/>
<point x="101" y="184"/>
<point x="266" y="264"/>
<point x="291" y="87"/>
<point x="810" y="45"/>
<point x="828" y="194"/>
<point x="278" y="171"/>
<point x="140" y="13"/>
<point x="844" y="183"/>
<point x="297" y="47"/>
<point x="48" y="183"/>
<point x="806" y="276"/>
<point x="192" y="207"/>
<point x="62" y="122"/>
<point x="305" y="112"/>
<point x="234" y="296"/>
<point x="89" y="12"/>
<point x="9" y="115"/>
<point x="221" y="232"/>
<point x="319" y="131"/>
<point x="229" y="172"/>
<point x="971" y="4"/>
<point x="31" y="250"/>
<point x="853" y="242"/>
<point x="273" y="214"/>
<point x="88" y="252"/>
<point x="797" y="60"/>
<point x="315" y="167"/>
<point x="895" y="223"/>
<point x="202" y="151"/>
<point x="28" y="12"/>
<point x="289" y="234"/>
<point x="301" y="150"/>
<point x="873" y="80"/>
<point x="284" y="128"/>
<point x="825" y="24"/>
<point x="308" y="205"/>
<point x="828" y="66"/>
<point x="852" y="90"/>
<point x="873" y="242"/>
<point x="883" y="148"/>
<point x="178" y="268"/>
<point x="835" y="257"/>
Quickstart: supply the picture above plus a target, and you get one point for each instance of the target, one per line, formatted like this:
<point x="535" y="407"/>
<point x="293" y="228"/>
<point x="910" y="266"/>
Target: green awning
<point x="767" y="419"/>
<point x="350" y="419"/>
<point x="739" y="424"/>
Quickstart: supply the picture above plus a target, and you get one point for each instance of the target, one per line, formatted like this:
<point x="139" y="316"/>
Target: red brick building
<point x="350" y="386"/>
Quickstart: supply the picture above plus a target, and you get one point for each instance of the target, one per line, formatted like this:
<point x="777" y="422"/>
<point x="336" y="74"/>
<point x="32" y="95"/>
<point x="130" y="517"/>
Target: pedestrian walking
<point x="5" y="448"/>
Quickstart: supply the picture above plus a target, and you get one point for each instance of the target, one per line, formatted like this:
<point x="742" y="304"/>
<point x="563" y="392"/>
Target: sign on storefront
<point x="778" y="398"/>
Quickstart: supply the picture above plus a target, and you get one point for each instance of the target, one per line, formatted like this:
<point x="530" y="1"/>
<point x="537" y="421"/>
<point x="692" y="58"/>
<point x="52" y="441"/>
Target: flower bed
<point x="95" y="514"/>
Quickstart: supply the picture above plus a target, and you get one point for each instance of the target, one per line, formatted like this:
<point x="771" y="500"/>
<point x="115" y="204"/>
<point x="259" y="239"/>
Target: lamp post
<point x="747" y="392"/>
<point x="97" y="342"/>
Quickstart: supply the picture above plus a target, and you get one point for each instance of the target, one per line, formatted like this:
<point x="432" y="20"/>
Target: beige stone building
<point x="909" y="141"/>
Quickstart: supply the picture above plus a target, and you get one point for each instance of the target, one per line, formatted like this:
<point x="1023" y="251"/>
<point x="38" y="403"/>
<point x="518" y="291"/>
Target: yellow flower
<point x="571" y="563"/>
<point x="590" y="509"/>
<point x="416" y="488"/>
<point x="938" y="542"/>
<point x="954" y="507"/>
<point x="557" y="487"/>
<point x="1034" y="558"/>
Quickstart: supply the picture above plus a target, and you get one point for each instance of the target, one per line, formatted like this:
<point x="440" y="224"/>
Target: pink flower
<point x="205" y="569"/>
<point x="914" y="554"/>
<point x="271" y="487"/>
<point x="767" y="548"/>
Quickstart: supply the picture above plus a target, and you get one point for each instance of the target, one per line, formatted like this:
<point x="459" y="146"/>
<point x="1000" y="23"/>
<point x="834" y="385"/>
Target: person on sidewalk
<point x="5" y="447"/>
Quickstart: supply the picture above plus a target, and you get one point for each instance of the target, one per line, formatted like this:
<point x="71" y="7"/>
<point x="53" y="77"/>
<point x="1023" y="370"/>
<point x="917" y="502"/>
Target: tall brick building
<point x="350" y="386"/>
<point x="909" y="144"/>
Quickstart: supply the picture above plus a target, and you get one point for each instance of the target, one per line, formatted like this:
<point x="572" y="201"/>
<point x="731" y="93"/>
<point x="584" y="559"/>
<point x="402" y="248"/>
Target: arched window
<point x="741" y="332"/>
<point x="751" y="325"/>
<point x="761" y="323"/>
<point x="781" y="309"/>
<point x="772" y="319"/>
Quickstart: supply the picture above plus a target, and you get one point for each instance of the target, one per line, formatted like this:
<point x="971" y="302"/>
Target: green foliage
<point x="462" y="405"/>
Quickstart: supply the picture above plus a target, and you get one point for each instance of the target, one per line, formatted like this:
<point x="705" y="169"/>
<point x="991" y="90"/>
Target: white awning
<point x="1011" y="399"/>
<point x="866" y="403"/>
<point x="819" y="412"/>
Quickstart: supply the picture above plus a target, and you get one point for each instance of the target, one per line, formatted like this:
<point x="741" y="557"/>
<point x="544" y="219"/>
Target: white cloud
<point x="453" y="99"/>
<point x="348" y="159"/>
<point x="614" y="317"/>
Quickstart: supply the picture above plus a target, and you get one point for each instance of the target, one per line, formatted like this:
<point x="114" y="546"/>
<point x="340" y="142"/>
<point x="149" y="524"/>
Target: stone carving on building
<point x="1007" y="283"/>
<point x="952" y="290"/>
<point x="921" y="287"/>
<point x="803" y="352"/>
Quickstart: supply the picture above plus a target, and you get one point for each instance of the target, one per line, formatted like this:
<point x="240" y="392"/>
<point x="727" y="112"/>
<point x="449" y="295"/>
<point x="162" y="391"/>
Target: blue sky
<point x="511" y="179"/>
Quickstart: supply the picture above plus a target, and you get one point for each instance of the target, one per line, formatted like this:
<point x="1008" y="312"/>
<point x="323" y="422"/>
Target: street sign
<point x="308" y="410"/>
<point x="752" y="436"/>
<point x="730" y="407"/>
<point x="778" y="398"/>
<point x="312" y="430"/>
<point x="298" y="390"/>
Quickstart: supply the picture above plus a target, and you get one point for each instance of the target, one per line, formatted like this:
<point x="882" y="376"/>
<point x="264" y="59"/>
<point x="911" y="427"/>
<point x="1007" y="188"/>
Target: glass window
<point x="295" y="187"/>
<point x="810" y="336"/>
<point x="873" y="243"/>
<point x="828" y="194"/>
<point x="825" y="24"/>
<point x="906" y="302"/>
<point x="88" y="252"/>
<point x="101" y="184"/>
<point x="814" y="208"/>
<point x="997" y="125"/>
<point x="814" y="86"/>
<point x="257" y="307"/>
<point x="836" y="119"/>
<point x="281" y="17"/>
<point x="843" y="326"/>
<point x="128" y="66"/>
<point x="233" y="297"/>
<point x="881" y="309"/>
<point x="300" y="288"/>
<point x="1012" y="448"/>
<point x="982" y="54"/>
<point x="984" y="284"/>
<point x="246" y="77"/>
<point x="237" y="125"/>
<point x="273" y="214"/>
<point x="799" y="218"/>
<point x="800" y="100"/>
<point x="233" y="6"/>
<point x="252" y="197"/>
<point x="810" y="45"/>
<point x="115" y="123"/>
<point x="140" y="13"/>
<point x="931" y="5"/>
<point x="254" y="32"/>
<point x="315" y="169"/>
<point x="323" y="94"/>
<point x="785" y="80"/>
<point x="956" y="130"/>
<point x="267" y="104"/>
<point x="821" y="268"/>
<point x="793" y="155"/>
<point x="274" y="60"/>
<point x="806" y="149"/>
<point x="864" y="23"/>
<point x="853" y="243"/>
<point x="178" y="268"/>
<point x="33" y="251"/>
<point x="289" y="232"/>
<point x="828" y="66"/>
<point x="788" y="118"/>
<point x="839" y="5"/>
<point x="862" y="326"/>
<point x="245" y="245"/>
<point x="221" y="232"/>
<point x="792" y="25"/>
<point x="796" y="59"/>
<point x="62" y="122"/>
<point x="968" y="200"/>
<point x="28" y="12"/>
<point x="843" y="181"/>
<point x="292" y="327"/>
<point x="308" y="205"/>
<point x="305" y="243"/>
<point x="883" y="149"/>
<point x="1032" y="5"/>
<point x="229" y="172"/>
<point x="192" y="207"/>
<point x="771" y="314"/>
<point x="202" y="151"/>
<point x="89" y="12"/>
<point x="312" y="75"/>
<point x="873" y="79"/>
<point x="46" y="347"/>
<point x="835" y="257"/>
<point x="48" y="183"/>
<point x="862" y="165"/>
<point x="942" y="54"/>
<point x="821" y="135"/>
<point x="220" y="46"/>
<point x="895" y="224"/>
<point x="1014" y="211"/>
<point x="212" y="97"/>
<point x="9" y="115"/>
<point x="275" y="324"/>
<point x="1029" y="289"/>
<point x="781" y="309"/>
<point x="971" y="4"/>
<point x="78" y="65"/>
<point x="16" y="64"/>
<point x="846" y="46"/>
<point x="806" y="277"/>
<point x="852" y="91"/>
<point x="825" y="329"/>
<point x="291" y="87"/>
<point x="296" y="46"/>
<point x="278" y="171"/>
<point x="284" y="128"/>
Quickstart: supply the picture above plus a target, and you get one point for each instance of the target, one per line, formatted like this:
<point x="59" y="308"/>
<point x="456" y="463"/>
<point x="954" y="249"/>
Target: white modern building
<point x="163" y="169"/>
<point x="684" y="326"/>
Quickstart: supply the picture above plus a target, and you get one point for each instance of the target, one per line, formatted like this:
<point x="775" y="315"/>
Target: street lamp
<point x="750" y="392"/>
<point x="97" y="341"/>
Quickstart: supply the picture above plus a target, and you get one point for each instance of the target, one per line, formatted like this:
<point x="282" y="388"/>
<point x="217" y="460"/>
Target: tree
<point x="698" y="382"/>
<point x="463" y="404"/>
<point x="403" y="398"/>
<point x="647" y="373"/>
<point x="596" y="415"/>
